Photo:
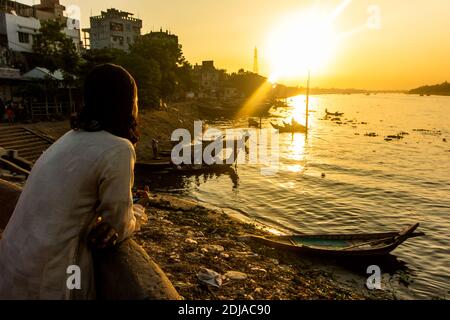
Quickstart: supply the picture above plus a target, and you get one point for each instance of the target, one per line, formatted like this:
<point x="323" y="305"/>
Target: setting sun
<point x="303" y="41"/>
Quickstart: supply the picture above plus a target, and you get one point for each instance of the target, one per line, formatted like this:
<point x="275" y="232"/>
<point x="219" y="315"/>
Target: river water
<point x="337" y="179"/>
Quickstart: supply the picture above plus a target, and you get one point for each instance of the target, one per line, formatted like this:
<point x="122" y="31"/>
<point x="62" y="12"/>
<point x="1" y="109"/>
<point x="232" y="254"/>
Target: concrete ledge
<point x="127" y="272"/>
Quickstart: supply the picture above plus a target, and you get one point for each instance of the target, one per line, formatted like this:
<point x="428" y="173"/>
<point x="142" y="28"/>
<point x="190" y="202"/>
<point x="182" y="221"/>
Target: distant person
<point x="78" y="196"/>
<point x="155" y="147"/>
<point x="10" y="115"/>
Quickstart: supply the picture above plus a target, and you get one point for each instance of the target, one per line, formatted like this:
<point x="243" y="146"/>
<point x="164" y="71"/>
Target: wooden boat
<point x="334" y="114"/>
<point x="154" y="165"/>
<point x="344" y="245"/>
<point x="202" y="168"/>
<point x="252" y="123"/>
<point x="287" y="128"/>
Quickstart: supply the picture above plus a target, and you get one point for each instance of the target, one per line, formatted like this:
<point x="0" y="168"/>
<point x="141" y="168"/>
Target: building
<point x="10" y="78"/>
<point x="46" y="10"/>
<point x="211" y="81"/>
<point x="164" y="35"/>
<point x="49" y="9"/>
<point x="17" y="32"/>
<point x="112" y="29"/>
<point x="20" y="9"/>
<point x="53" y="10"/>
<point x="19" y="25"/>
<point x="20" y="22"/>
<point x="207" y="78"/>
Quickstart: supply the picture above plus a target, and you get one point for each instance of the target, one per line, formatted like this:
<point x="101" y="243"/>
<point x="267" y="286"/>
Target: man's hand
<point x="144" y="196"/>
<point x="102" y="236"/>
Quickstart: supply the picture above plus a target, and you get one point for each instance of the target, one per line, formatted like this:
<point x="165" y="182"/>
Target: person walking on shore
<point x="10" y="115"/>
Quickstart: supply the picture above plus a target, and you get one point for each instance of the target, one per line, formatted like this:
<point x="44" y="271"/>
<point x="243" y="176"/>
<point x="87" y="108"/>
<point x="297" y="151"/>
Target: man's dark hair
<point x="110" y="95"/>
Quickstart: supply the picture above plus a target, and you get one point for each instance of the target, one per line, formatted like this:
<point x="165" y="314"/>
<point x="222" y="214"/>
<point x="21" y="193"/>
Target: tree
<point x="95" y="57"/>
<point x="155" y="61"/>
<point x="147" y="74"/>
<point x="55" y="50"/>
<point x="164" y="49"/>
<point x="184" y="75"/>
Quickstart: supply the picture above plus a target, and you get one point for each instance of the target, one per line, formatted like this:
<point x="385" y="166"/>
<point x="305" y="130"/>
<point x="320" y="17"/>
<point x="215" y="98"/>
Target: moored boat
<point x="341" y="245"/>
<point x="201" y="168"/>
<point x="333" y="114"/>
<point x="287" y="128"/>
<point x="252" y="123"/>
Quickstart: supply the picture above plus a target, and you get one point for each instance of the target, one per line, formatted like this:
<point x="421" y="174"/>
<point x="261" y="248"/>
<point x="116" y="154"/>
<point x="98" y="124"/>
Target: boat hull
<point x="351" y="245"/>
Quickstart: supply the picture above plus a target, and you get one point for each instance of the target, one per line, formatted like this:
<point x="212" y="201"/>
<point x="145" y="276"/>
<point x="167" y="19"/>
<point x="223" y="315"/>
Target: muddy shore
<point x="185" y="238"/>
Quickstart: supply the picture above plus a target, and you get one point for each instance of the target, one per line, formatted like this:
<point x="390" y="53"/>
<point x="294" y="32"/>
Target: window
<point x="24" y="37"/>
<point x="114" y="26"/>
<point x="118" y="39"/>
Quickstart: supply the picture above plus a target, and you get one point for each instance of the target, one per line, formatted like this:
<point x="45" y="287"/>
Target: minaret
<point x="255" y="62"/>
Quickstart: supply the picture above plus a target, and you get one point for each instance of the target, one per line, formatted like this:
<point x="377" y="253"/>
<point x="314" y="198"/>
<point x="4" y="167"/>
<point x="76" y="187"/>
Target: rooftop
<point x="114" y="13"/>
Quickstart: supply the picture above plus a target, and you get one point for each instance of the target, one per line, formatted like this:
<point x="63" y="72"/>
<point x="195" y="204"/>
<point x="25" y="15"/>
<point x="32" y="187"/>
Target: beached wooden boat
<point x="343" y="245"/>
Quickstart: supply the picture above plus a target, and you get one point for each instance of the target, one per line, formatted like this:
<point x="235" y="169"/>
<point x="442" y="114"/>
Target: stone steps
<point x="29" y="144"/>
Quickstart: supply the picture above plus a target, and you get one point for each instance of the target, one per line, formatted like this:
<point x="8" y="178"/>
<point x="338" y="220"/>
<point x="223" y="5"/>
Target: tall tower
<point x="255" y="61"/>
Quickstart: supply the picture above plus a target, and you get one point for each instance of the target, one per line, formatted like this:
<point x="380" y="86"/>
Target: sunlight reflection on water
<point x="339" y="180"/>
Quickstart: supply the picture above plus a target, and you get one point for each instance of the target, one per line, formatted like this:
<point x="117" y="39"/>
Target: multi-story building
<point x="113" y="29"/>
<point x="211" y="81"/>
<point x="17" y="32"/>
<point x="20" y="9"/>
<point x="49" y="9"/>
<point x="164" y="35"/>
<point x="20" y="22"/>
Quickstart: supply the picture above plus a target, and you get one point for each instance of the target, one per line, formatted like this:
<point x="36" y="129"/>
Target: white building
<point x="74" y="34"/>
<point x="18" y="32"/>
<point x="20" y="22"/>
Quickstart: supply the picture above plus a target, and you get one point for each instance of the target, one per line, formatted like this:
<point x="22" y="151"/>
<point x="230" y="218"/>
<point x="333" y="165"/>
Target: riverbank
<point x="185" y="238"/>
<point x="189" y="242"/>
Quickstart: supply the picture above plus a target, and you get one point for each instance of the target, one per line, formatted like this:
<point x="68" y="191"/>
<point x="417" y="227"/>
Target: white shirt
<point x="82" y="176"/>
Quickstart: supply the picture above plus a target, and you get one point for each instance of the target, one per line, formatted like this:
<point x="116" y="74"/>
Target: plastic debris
<point x="210" y="277"/>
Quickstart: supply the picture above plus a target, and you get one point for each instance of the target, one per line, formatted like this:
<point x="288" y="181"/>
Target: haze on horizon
<point x="411" y="49"/>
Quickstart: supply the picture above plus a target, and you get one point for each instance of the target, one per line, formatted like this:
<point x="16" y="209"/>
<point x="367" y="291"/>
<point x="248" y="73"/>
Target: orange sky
<point x="412" y="47"/>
